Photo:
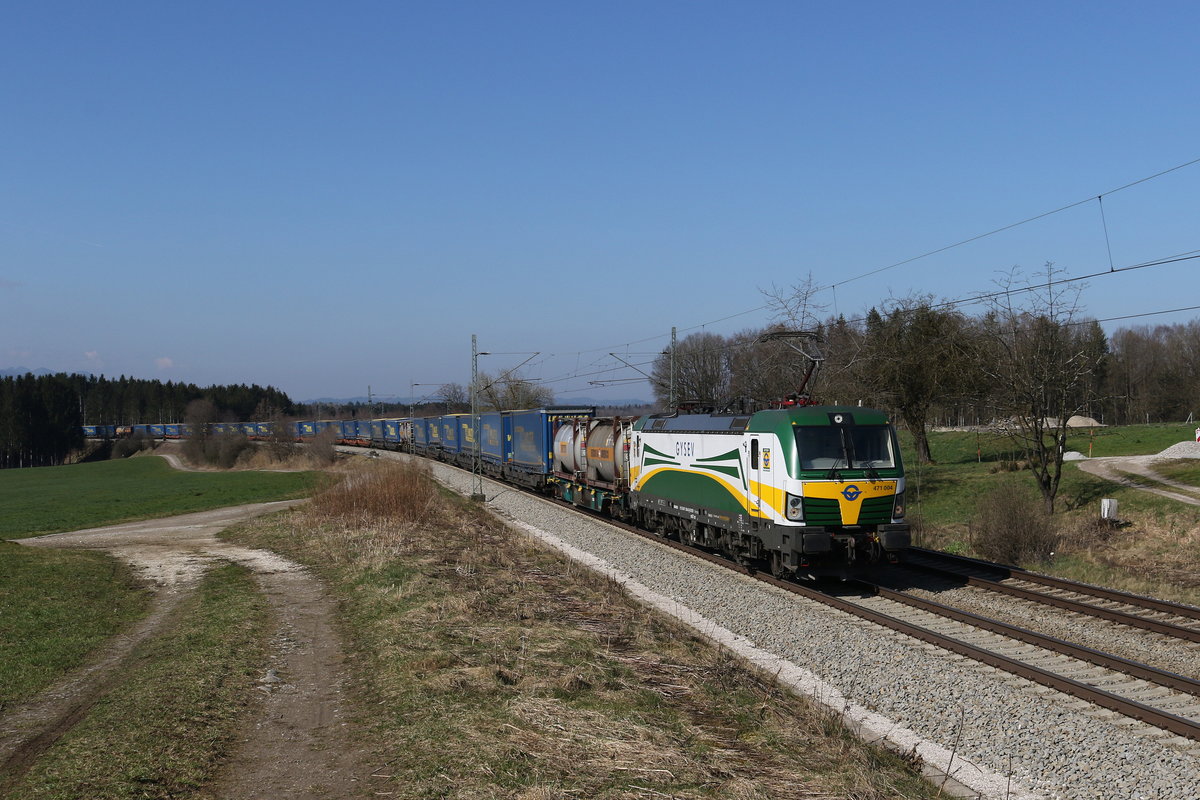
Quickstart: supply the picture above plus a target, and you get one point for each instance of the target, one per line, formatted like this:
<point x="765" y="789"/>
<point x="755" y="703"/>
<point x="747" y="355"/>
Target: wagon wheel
<point x="777" y="570"/>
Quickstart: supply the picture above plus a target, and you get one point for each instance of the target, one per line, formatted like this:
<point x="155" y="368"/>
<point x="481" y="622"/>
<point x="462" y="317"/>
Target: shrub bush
<point x="1011" y="527"/>
<point x="224" y="450"/>
<point x="123" y="448"/>
<point x="321" y="450"/>
<point x="387" y="490"/>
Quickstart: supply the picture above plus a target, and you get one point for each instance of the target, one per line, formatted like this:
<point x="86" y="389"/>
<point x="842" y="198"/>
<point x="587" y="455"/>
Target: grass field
<point x="1153" y="551"/>
<point x="55" y="606"/>
<point x="1183" y="470"/>
<point x="166" y="727"/>
<point x="968" y="464"/>
<point x="954" y="447"/>
<point x="53" y="499"/>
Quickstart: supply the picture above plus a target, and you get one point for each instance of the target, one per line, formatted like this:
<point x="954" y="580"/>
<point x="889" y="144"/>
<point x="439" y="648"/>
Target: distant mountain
<point x="14" y="372"/>
<point x="344" y="401"/>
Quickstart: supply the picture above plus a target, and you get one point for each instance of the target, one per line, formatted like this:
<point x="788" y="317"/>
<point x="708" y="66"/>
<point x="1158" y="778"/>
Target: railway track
<point x="1165" y="700"/>
<point x="1169" y="619"/>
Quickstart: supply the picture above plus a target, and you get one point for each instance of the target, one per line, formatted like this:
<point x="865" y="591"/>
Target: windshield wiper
<point x="833" y="473"/>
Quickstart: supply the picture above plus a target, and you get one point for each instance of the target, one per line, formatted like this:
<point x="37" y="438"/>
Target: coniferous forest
<point x="41" y="415"/>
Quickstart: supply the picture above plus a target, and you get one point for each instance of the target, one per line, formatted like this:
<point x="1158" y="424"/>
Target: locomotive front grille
<point x="818" y="511"/>
<point x="874" y="511"/>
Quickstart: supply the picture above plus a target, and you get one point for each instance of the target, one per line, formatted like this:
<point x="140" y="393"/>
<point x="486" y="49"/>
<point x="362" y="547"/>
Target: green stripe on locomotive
<point x="692" y="488"/>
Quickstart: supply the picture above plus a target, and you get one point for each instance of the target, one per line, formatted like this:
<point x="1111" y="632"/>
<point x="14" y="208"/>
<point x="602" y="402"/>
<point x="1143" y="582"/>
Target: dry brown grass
<point x="1155" y="554"/>
<point x="386" y="491"/>
<point x="496" y="669"/>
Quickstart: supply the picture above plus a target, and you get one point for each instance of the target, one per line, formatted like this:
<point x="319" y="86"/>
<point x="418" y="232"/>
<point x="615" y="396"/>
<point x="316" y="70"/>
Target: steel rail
<point x="1122" y="617"/>
<point x="1098" y="657"/>
<point x="1174" y="723"/>
<point x="1122" y="705"/>
<point x="1091" y="609"/>
<point x="1150" y="603"/>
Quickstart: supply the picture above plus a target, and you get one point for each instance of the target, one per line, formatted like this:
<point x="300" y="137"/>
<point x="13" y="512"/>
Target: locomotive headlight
<point x="795" y="508"/>
<point x="898" y="508"/>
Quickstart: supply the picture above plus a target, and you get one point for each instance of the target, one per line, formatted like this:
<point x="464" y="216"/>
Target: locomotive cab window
<point x="851" y="447"/>
<point x="754" y="454"/>
<point x="872" y="447"/>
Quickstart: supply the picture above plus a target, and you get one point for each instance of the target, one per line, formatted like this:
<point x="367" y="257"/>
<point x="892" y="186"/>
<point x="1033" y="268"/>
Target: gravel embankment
<point x="1043" y="740"/>
<point x="1157" y="650"/>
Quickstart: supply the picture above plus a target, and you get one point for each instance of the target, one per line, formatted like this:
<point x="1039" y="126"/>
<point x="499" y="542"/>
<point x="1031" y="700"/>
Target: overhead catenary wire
<point x="968" y="240"/>
<point x="1018" y="224"/>
<point x="962" y="301"/>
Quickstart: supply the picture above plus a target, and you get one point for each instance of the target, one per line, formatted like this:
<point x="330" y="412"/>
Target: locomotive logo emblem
<point x="851" y="492"/>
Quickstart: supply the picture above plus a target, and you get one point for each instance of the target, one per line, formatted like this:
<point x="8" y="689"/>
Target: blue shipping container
<point x="448" y="428"/>
<point x="340" y="429"/>
<point x="420" y="432"/>
<point x="492" y="438"/>
<point x="533" y="434"/>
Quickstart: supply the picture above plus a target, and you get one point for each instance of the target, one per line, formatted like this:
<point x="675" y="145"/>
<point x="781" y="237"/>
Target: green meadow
<point x="54" y="499"/>
<point x="56" y="606"/>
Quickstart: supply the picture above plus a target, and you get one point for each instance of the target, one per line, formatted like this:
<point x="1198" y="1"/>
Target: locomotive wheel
<point x="777" y="570"/>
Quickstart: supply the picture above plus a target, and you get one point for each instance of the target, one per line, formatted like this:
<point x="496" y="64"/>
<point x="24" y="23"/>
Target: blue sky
<point x="328" y="196"/>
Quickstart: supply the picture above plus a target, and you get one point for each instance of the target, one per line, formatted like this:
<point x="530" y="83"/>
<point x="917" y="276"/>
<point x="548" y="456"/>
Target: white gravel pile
<point x="1182" y="450"/>
<point x="1040" y="738"/>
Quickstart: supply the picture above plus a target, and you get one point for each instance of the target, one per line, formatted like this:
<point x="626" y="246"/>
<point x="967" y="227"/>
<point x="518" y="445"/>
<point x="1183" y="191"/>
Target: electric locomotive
<point x="804" y="491"/>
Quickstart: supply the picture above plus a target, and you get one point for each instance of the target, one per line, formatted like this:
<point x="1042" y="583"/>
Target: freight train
<point x="802" y="491"/>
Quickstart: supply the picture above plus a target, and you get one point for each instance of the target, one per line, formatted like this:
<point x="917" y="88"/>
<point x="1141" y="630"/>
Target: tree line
<point x="39" y="420"/>
<point x="128" y="401"/>
<point x="943" y="367"/>
<point x="1027" y="361"/>
<point x="41" y="417"/>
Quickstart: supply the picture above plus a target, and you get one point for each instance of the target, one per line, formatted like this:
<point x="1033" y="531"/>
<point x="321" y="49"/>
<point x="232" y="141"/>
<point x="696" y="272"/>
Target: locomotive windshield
<point x="850" y="447"/>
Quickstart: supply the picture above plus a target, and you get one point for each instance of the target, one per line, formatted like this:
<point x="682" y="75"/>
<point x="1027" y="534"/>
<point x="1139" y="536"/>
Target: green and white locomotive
<point x="809" y="490"/>
<point x="803" y="491"/>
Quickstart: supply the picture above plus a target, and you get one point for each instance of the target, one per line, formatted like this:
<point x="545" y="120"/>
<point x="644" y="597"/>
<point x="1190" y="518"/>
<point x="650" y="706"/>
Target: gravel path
<point x="1055" y="745"/>
<point x="296" y="747"/>
<point x="1119" y="468"/>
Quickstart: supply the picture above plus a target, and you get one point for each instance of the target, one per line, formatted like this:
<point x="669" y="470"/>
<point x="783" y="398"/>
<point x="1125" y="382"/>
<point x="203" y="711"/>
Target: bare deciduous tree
<point x="702" y="373"/>
<point x="455" y="397"/>
<point x="281" y="443"/>
<point x="796" y="306"/>
<point x="199" y="416"/>
<point x="1042" y="367"/>
<point x="507" y="392"/>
